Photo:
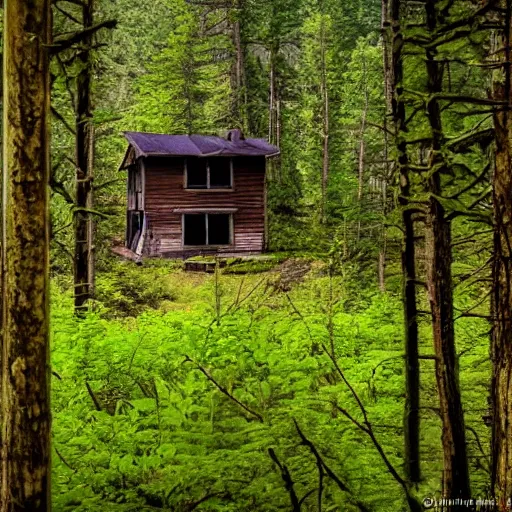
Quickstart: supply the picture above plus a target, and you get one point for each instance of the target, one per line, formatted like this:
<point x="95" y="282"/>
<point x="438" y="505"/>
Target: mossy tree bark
<point x="394" y="94"/>
<point x="440" y="284"/>
<point x="501" y="346"/>
<point x="25" y="451"/>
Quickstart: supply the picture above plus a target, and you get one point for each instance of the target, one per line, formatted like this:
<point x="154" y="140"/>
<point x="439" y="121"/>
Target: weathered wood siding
<point x="165" y="191"/>
<point x="135" y="187"/>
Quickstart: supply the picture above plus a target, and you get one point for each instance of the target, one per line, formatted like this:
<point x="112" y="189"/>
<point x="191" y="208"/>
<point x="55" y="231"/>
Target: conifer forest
<point x="256" y="255"/>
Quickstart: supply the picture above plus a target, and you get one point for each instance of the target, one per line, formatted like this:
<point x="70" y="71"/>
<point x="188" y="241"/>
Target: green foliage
<point x="127" y="291"/>
<point x="166" y="436"/>
<point x="184" y="90"/>
<point x="138" y="425"/>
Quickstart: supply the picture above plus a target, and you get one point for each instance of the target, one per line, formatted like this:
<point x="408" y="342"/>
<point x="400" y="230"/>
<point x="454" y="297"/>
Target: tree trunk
<point x="387" y="63"/>
<point x="361" y="158"/>
<point x="501" y="342"/>
<point x="381" y="264"/>
<point x="394" y="86"/>
<point x="362" y="149"/>
<point x="325" y="128"/>
<point x="239" y="112"/>
<point x="25" y="401"/>
<point x="440" y="290"/>
<point x="84" y="223"/>
<point x="271" y="101"/>
<point x="439" y="284"/>
<point x="274" y="113"/>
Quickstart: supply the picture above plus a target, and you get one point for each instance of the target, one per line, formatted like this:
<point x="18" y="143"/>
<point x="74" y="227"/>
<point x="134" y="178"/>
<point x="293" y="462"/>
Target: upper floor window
<point x="209" y="173"/>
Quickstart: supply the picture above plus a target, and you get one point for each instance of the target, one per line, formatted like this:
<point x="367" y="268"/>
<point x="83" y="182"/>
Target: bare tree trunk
<point x="362" y="147"/>
<point x="274" y="112"/>
<point x="239" y="110"/>
<point x="440" y="290"/>
<point x="84" y="223"/>
<point x="501" y="343"/>
<point x="25" y="400"/>
<point x="394" y="85"/>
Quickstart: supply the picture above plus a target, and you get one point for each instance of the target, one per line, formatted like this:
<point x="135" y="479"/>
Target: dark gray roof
<point x="157" y="144"/>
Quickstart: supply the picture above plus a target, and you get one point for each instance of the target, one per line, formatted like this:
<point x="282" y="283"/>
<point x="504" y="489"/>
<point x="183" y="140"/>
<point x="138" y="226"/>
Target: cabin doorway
<point x="135" y="225"/>
<point x="207" y="229"/>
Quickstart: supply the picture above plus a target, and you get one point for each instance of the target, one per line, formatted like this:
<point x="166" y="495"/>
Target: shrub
<point x="128" y="290"/>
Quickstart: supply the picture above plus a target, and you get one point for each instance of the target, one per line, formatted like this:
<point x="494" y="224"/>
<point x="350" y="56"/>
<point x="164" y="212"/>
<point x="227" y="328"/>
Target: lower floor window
<point x="207" y="229"/>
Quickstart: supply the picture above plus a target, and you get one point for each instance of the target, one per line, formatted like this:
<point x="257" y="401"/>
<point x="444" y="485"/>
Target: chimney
<point x="235" y="135"/>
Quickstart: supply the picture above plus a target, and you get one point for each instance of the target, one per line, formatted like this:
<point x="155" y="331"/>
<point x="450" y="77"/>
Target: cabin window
<point x="220" y="172"/>
<point x="209" y="173"/>
<point x="207" y="229"/>
<point x="197" y="173"/>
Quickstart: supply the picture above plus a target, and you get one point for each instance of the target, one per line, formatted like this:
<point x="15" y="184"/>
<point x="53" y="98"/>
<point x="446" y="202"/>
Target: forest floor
<point x="176" y="386"/>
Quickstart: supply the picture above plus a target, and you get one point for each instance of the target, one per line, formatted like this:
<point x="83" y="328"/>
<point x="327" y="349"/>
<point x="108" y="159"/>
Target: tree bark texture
<point x="440" y="290"/>
<point x="394" y="86"/>
<point x="84" y="222"/>
<point x="501" y="343"/>
<point x="25" y="408"/>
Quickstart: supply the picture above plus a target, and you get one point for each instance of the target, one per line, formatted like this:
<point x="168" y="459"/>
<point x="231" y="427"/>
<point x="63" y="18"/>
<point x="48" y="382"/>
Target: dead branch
<point x="93" y="396"/>
<point x="64" y="461"/>
<point x="367" y="428"/>
<point x="62" y="43"/>
<point x="66" y="13"/>
<point x="323" y="467"/>
<point x="480" y="449"/>
<point x="61" y="118"/>
<point x="223" y="390"/>
<point x="475" y="182"/>
<point x="209" y="496"/>
<point x="287" y="479"/>
<point x="75" y="2"/>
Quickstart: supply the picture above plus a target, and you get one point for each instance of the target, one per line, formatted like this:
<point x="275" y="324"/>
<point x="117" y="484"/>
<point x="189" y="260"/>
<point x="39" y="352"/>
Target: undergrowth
<point x="210" y="403"/>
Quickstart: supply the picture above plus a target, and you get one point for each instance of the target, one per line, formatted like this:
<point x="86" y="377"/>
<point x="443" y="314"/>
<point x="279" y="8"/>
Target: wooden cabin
<point x="193" y="194"/>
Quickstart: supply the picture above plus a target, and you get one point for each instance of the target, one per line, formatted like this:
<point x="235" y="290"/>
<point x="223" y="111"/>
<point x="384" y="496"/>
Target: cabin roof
<point x="158" y="144"/>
